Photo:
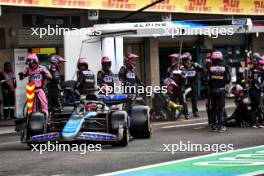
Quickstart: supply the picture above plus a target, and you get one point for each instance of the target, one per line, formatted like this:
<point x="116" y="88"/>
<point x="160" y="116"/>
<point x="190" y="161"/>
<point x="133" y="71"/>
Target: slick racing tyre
<point x="36" y="125"/>
<point x="125" y="140"/>
<point x="119" y="119"/>
<point x="141" y="122"/>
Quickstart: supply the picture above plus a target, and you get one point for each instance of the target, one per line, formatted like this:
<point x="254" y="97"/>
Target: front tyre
<point x="125" y="140"/>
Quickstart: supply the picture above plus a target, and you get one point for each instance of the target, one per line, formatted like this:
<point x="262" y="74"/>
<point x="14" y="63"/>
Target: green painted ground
<point x="222" y="164"/>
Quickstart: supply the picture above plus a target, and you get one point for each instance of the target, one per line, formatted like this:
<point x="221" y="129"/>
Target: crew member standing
<point x="85" y="80"/>
<point x="206" y="91"/>
<point x="8" y="82"/>
<point x="55" y="97"/>
<point x="191" y="70"/>
<point x="256" y="79"/>
<point x="105" y="76"/>
<point x="218" y="76"/>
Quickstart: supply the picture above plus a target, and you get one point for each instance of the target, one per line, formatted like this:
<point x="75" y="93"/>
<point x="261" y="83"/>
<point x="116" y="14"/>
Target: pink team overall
<point x="36" y="74"/>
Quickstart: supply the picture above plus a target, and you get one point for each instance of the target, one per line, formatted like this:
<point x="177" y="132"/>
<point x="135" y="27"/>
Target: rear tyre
<point x="141" y="122"/>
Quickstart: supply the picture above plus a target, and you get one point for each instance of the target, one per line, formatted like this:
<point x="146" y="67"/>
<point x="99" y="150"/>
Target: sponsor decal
<point x="28" y="2"/>
<point x="119" y="4"/>
<point x="108" y="79"/>
<point x="164" y="5"/>
<point x="71" y="3"/>
<point x="150" y="25"/>
<point x="217" y="77"/>
<point x="246" y="7"/>
<point x="190" y="73"/>
<point x="231" y="6"/>
<point x="258" y="6"/>
<point x="198" y="6"/>
<point x="217" y="69"/>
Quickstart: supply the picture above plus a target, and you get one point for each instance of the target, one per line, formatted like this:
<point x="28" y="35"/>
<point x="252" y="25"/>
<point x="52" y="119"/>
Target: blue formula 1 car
<point x="100" y="120"/>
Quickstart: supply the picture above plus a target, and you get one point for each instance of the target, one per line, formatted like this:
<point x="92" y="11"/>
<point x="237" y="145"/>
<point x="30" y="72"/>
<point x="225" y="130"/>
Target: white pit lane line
<point x="8" y="143"/>
<point x="182" y="122"/>
<point x="7" y="130"/>
<point x="184" y="125"/>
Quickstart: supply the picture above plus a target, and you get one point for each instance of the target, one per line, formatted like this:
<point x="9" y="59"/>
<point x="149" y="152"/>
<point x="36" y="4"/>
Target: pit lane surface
<point x="16" y="159"/>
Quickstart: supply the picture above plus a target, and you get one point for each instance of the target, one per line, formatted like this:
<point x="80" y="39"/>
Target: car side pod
<point x="74" y="124"/>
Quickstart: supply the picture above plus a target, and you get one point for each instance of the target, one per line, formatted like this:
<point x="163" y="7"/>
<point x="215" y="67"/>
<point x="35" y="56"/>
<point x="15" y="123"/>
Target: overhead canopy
<point x="175" y="28"/>
<point x="79" y="44"/>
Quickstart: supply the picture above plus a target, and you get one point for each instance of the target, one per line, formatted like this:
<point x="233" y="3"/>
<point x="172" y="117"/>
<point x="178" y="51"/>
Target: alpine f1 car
<point x="97" y="120"/>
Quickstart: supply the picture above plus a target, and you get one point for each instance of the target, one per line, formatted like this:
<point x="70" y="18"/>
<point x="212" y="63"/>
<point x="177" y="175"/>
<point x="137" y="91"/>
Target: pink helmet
<point x="239" y="87"/>
<point x="105" y="59"/>
<point x="236" y="89"/>
<point x="217" y="55"/>
<point x="186" y="55"/>
<point x="174" y="55"/>
<point x="106" y="63"/>
<point x="261" y="61"/>
<point x="169" y="81"/>
<point x="82" y="61"/>
<point x="129" y="60"/>
<point x="170" y="84"/>
<point x="56" y="59"/>
<point x="33" y="57"/>
<point x="32" y="60"/>
<point x="131" y="56"/>
<point x="176" y="58"/>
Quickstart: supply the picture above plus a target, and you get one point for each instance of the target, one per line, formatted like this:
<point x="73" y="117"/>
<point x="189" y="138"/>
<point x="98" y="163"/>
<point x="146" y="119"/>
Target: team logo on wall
<point x="21" y="60"/>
